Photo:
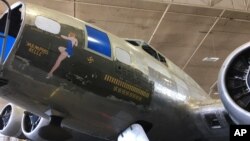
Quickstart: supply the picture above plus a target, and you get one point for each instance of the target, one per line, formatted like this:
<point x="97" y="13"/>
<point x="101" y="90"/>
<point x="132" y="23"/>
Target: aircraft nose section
<point x="10" y="26"/>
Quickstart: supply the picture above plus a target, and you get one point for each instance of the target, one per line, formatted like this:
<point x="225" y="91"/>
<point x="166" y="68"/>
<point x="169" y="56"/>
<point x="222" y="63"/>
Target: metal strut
<point x="5" y="36"/>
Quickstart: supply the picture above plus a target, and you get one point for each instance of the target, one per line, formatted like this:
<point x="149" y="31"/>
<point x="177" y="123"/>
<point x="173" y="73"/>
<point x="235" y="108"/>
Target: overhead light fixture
<point x="210" y="59"/>
<point x="216" y="93"/>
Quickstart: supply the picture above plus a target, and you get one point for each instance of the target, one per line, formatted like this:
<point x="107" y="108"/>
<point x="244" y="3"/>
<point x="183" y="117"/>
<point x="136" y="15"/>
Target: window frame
<point x="93" y="51"/>
<point x="116" y="56"/>
<point x="149" y="47"/>
<point x="44" y="29"/>
<point x="134" y="42"/>
<point x="165" y="61"/>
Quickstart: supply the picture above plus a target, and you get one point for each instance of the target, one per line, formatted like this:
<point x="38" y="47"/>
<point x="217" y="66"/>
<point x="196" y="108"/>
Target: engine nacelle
<point x="10" y="123"/>
<point x="31" y="124"/>
<point x="234" y="84"/>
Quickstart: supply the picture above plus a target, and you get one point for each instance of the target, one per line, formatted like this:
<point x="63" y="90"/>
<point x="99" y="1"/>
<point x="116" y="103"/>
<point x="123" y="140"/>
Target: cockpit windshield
<point x="134" y="42"/>
<point x="148" y="49"/>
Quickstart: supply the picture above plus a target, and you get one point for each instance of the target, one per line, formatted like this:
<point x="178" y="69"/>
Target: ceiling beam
<point x="212" y="88"/>
<point x="202" y="41"/>
<point x="212" y="4"/>
<point x="75" y="8"/>
<point x="246" y="4"/>
<point x="173" y="2"/>
<point x="232" y="2"/>
<point x="158" y="24"/>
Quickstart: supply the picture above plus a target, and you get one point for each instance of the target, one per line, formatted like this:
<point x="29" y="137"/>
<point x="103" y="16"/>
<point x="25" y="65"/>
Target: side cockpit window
<point x="47" y="25"/>
<point x="154" y="53"/>
<point x="162" y="59"/>
<point x="150" y="51"/>
<point x="134" y="42"/>
<point x="123" y="56"/>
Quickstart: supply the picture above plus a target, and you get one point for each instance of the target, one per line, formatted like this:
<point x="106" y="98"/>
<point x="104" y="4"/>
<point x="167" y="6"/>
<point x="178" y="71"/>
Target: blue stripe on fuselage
<point x="9" y="46"/>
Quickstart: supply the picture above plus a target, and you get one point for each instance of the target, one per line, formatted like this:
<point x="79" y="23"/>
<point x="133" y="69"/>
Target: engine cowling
<point x="31" y="124"/>
<point x="234" y="84"/>
<point x="10" y="123"/>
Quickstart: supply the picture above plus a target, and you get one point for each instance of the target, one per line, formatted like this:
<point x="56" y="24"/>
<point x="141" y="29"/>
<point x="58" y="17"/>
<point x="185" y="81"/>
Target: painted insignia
<point x="90" y="60"/>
